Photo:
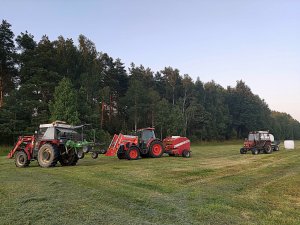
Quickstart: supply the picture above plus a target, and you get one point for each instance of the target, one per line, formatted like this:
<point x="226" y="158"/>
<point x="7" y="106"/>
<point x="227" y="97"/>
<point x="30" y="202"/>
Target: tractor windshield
<point x="253" y="137"/>
<point x="145" y="135"/>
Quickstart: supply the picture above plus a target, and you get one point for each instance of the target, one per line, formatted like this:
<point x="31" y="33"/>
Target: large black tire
<point x="133" y="153"/>
<point x="21" y="159"/>
<point x="268" y="149"/>
<point x="156" y="149"/>
<point x="254" y="151"/>
<point x="121" y="153"/>
<point x="186" y="154"/>
<point x="243" y="151"/>
<point x="48" y="155"/>
<point x="69" y="159"/>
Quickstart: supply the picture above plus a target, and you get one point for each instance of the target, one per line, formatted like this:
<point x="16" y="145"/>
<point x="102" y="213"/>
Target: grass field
<point x="216" y="186"/>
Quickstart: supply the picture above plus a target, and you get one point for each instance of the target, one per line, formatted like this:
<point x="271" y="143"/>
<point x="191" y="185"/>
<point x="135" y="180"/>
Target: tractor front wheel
<point x="156" y="149"/>
<point x="276" y="148"/>
<point x="48" y="155"/>
<point x="133" y="153"/>
<point x="21" y="159"/>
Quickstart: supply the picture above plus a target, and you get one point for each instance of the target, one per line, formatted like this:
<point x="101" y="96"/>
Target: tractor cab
<point x="146" y="134"/>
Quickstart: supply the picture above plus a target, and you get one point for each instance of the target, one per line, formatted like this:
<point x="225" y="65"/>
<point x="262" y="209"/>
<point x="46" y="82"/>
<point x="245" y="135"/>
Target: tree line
<point x="42" y="81"/>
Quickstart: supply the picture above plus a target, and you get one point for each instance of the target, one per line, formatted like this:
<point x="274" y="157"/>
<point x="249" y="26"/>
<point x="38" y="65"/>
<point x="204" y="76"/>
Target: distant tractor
<point x="142" y="144"/>
<point x="260" y="142"/>
<point x="52" y="143"/>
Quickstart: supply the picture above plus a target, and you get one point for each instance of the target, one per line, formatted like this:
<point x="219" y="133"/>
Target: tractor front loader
<point x="142" y="144"/>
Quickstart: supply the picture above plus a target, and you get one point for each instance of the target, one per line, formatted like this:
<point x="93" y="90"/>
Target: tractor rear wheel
<point x="133" y="153"/>
<point x="268" y="149"/>
<point x="254" y="151"/>
<point x="69" y="159"/>
<point x="48" y="155"/>
<point x="21" y="159"/>
<point x="156" y="149"/>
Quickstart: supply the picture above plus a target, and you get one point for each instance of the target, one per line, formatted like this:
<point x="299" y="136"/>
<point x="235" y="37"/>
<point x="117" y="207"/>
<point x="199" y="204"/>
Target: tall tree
<point x="172" y="77"/>
<point x="8" y="70"/>
<point x="64" y="106"/>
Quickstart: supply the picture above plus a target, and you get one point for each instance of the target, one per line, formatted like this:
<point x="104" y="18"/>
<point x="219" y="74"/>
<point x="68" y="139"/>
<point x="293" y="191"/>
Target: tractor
<point x="52" y="143"/>
<point x="260" y="142"/>
<point x="142" y="144"/>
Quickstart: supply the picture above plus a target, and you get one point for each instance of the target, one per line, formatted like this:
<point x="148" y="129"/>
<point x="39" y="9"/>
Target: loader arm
<point x="28" y="141"/>
<point x="119" y="140"/>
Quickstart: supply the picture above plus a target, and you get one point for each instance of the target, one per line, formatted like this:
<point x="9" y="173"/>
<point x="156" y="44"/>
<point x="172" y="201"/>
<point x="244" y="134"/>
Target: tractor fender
<point x="128" y="145"/>
<point x="151" y="140"/>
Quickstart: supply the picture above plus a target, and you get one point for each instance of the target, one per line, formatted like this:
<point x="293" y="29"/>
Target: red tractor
<point x="52" y="143"/>
<point x="260" y="142"/>
<point x="143" y="144"/>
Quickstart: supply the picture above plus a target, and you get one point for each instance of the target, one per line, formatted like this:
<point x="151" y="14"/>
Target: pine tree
<point x="64" y="106"/>
<point x="8" y="70"/>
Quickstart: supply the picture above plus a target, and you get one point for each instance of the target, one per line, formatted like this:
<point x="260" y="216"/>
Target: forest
<point x="42" y="81"/>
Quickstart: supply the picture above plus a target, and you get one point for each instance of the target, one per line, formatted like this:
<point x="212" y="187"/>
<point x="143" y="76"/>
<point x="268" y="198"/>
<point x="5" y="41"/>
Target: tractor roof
<point x="259" y="132"/>
<point x="57" y="123"/>
<point x="147" y="128"/>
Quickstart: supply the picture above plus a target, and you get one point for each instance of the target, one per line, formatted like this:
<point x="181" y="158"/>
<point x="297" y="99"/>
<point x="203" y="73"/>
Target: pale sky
<point x="257" y="41"/>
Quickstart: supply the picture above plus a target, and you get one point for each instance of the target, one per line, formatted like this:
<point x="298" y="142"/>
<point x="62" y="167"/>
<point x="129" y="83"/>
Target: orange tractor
<point x="145" y="144"/>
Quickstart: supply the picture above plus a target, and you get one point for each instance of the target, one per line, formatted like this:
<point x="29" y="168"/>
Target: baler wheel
<point x="48" y="155"/>
<point x="186" y="154"/>
<point x="133" y="153"/>
<point x="21" y="159"/>
<point x="156" y="149"/>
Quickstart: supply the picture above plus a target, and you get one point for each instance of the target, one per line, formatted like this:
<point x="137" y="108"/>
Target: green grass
<point x="216" y="186"/>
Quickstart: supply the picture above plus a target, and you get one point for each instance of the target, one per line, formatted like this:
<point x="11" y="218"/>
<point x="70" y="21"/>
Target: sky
<point x="257" y="41"/>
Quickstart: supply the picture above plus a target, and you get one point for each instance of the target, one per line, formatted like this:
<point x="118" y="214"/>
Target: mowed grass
<point x="216" y="186"/>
